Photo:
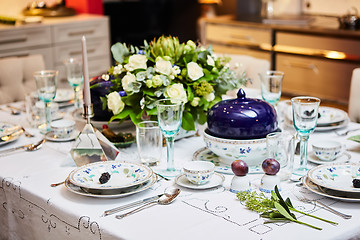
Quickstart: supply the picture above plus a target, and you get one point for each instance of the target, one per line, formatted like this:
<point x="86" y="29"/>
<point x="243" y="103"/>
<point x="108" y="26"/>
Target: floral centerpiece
<point x="166" y="68"/>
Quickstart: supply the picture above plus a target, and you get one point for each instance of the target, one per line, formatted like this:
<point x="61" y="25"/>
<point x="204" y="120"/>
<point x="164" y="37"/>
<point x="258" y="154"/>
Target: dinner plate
<point x="9" y="128"/>
<point x="123" y="175"/>
<point x="114" y="193"/>
<point x="51" y="137"/>
<point x="324" y="128"/>
<point x="205" y="154"/>
<point x="328" y="116"/>
<point x="339" y="195"/>
<point x="336" y="176"/>
<point x="64" y="95"/>
<point x="340" y="159"/>
<point x="216" y="180"/>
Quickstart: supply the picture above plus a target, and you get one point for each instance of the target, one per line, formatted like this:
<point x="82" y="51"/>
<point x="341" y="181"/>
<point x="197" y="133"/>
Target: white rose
<point x="157" y="81"/>
<point x="127" y="79"/>
<point x="118" y="69"/>
<point x="176" y="93"/>
<point x="195" y="102"/>
<point x="194" y="71"/>
<point x="136" y="61"/>
<point x="210" y="97"/>
<point x="162" y="66"/>
<point x="114" y="103"/>
<point x="210" y="61"/>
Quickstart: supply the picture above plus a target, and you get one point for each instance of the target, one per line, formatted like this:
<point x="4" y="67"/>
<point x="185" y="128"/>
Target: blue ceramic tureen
<point x="241" y="118"/>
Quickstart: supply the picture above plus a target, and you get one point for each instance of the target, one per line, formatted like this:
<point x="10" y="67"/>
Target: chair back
<point x="16" y="76"/>
<point x="354" y="98"/>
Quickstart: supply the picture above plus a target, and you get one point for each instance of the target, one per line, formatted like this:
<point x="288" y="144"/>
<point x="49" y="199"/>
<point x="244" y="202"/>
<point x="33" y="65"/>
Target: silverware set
<point x="163" y="199"/>
<point x="347" y="132"/>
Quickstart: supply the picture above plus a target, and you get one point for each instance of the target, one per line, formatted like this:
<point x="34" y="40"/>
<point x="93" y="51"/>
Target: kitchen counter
<point x="318" y="58"/>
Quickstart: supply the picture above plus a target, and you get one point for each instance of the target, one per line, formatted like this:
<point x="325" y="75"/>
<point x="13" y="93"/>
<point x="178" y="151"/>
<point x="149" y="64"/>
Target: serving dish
<point x="241" y="118"/>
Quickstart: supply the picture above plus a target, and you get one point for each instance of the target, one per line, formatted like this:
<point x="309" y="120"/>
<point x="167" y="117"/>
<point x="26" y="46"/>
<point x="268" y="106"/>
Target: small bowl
<point x="253" y="151"/>
<point x="199" y="172"/>
<point x="63" y="128"/>
<point x="327" y="150"/>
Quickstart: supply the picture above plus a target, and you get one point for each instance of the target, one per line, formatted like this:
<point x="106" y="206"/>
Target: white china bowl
<point x="63" y="128"/>
<point x="327" y="150"/>
<point x="253" y="151"/>
<point x="199" y="172"/>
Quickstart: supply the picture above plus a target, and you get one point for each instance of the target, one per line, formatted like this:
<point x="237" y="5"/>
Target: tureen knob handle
<point x="241" y="93"/>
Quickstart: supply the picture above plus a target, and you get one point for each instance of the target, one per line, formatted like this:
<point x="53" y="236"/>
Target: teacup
<point x="199" y="172"/>
<point x="63" y="128"/>
<point x="327" y="150"/>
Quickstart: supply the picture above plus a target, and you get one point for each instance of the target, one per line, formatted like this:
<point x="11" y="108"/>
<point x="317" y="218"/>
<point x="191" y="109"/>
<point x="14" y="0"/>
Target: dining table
<point x="31" y="209"/>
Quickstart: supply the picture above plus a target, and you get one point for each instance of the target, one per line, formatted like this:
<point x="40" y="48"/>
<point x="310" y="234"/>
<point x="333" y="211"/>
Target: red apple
<point x="239" y="168"/>
<point x="271" y="166"/>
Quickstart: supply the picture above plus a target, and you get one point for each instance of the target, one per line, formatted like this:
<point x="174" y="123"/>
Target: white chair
<point x="16" y="78"/>
<point x="252" y="67"/>
<point x="354" y="98"/>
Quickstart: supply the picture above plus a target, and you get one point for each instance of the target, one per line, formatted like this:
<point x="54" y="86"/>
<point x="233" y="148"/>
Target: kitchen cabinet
<point x="317" y="60"/>
<point x="58" y="39"/>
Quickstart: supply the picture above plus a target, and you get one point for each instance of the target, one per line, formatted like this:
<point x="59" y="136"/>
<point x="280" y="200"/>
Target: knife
<point x="130" y="205"/>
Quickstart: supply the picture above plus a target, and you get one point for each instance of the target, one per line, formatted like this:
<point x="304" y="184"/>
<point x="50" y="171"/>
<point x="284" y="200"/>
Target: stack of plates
<point x="334" y="181"/>
<point x="329" y="118"/>
<point x="125" y="179"/>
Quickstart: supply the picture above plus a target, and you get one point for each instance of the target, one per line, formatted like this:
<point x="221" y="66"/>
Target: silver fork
<point x="343" y="215"/>
<point x="347" y="132"/>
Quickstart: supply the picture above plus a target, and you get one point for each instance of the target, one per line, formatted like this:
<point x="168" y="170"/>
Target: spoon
<point x="163" y="200"/>
<point x="28" y="147"/>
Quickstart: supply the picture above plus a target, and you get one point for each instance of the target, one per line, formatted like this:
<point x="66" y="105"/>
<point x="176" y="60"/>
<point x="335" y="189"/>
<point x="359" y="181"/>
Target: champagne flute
<point x="75" y="78"/>
<point x="305" y="115"/>
<point x="271" y="83"/>
<point x="46" y="88"/>
<point x="169" y="118"/>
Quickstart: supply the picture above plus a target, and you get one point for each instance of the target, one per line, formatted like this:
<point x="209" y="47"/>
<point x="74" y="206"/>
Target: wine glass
<point x="271" y="83"/>
<point x="75" y="78"/>
<point x="46" y="88"/>
<point x="169" y="118"/>
<point x="305" y="115"/>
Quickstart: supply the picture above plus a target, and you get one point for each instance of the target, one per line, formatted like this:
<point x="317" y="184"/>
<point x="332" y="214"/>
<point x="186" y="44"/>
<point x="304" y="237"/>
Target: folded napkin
<point x="355" y="138"/>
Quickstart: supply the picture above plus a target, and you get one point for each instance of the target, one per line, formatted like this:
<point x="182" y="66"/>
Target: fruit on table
<point x="356" y="183"/>
<point x="270" y="166"/>
<point x="239" y="168"/>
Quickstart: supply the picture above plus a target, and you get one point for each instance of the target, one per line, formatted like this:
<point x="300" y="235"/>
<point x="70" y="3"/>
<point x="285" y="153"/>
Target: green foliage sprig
<point x="275" y="208"/>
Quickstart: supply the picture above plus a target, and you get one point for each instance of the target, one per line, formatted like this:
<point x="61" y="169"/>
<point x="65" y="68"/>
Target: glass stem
<point x="76" y="97"/>
<point x="170" y="153"/>
<point x="303" y="152"/>
<point x="48" y="115"/>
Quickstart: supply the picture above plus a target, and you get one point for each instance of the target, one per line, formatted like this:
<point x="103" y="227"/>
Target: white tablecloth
<point x="31" y="209"/>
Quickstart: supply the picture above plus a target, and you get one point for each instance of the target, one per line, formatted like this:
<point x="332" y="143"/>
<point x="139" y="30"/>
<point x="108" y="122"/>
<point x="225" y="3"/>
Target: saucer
<point x="216" y="180"/>
<point x="340" y="159"/>
<point x="51" y="137"/>
<point x="205" y="154"/>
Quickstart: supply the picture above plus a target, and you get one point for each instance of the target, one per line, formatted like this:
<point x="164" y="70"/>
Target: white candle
<point x="87" y="98"/>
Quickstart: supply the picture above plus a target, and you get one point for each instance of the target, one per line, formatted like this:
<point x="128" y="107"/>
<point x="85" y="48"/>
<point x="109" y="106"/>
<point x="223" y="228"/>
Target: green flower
<point x="203" y="88"/>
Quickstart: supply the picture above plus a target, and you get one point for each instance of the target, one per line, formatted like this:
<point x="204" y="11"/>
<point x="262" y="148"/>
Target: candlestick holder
<point x="91" y="146"/>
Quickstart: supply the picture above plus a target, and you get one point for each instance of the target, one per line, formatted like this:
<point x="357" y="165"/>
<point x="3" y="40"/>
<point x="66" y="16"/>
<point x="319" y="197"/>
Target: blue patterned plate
<point x="122" y="175"/>
<point x="337" y="176"/>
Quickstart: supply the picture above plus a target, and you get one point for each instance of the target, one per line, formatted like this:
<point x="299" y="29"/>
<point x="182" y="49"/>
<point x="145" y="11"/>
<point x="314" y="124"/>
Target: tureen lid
<point x="241" y="118"/>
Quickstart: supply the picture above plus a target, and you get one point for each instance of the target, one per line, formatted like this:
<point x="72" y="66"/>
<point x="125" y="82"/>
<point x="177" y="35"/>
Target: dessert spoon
<point x="28" y="147"/>
<point x="163" y="200"/>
